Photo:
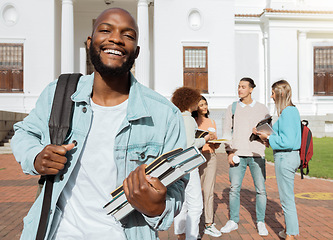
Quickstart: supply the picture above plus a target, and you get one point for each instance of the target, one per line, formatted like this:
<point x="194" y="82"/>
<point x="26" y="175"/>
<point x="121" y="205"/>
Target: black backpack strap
<point x="61" y="114"/>
<point x="59" y="124"/>
<point x="302" y="171"/>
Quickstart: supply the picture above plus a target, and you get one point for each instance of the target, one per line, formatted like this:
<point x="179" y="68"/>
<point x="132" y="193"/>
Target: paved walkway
<point x="314" y="204"/>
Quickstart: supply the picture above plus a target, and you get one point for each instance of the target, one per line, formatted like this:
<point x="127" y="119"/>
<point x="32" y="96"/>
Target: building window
<point x="196" y="68"/>
<point x="323" y="71"/>
<point x="11" y="67"/>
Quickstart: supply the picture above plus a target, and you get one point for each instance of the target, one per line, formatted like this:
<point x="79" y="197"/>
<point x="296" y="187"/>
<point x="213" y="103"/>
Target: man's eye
<point x="104" y="30"/>
<point x="129" y="36"/>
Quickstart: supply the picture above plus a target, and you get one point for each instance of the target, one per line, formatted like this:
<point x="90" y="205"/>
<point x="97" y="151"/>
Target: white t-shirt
<point x="93" y="179"/>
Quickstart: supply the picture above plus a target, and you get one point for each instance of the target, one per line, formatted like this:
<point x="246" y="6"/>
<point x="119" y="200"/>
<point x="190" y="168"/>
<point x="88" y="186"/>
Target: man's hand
<point x="145" y="193"/>
<point x="52" y="159"/>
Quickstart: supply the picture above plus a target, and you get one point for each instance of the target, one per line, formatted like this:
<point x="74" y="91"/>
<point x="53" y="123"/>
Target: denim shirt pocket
<point x="142" y="155"/>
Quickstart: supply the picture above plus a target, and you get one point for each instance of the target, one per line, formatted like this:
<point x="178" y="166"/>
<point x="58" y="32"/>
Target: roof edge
<point x="271" y="10"/>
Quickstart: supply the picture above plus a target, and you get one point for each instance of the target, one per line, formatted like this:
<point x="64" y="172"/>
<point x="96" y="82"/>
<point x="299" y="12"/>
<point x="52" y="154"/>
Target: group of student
<point x="242" y="151"/>
<point x="118" y="126"/>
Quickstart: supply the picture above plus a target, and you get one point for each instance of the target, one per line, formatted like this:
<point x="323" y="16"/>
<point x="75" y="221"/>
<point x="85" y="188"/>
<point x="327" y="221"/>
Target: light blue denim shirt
<point x="152" y="126"/>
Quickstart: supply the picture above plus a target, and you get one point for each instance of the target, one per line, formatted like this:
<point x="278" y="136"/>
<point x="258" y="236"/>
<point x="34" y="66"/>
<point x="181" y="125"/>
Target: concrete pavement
<point x="314" y="200"/>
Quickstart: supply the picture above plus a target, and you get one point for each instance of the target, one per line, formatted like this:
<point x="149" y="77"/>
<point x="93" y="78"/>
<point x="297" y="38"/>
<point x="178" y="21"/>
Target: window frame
<point x="198" y="73"/>
<point x="14" y="81"/>
<point x="322" y="72"/>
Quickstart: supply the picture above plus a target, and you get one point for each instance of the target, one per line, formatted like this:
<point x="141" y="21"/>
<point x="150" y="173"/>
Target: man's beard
<point x="107" y="71"/>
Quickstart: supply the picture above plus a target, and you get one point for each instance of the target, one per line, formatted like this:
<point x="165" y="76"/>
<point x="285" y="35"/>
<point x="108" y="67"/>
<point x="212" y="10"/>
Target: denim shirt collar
<point x="137" y="107"/>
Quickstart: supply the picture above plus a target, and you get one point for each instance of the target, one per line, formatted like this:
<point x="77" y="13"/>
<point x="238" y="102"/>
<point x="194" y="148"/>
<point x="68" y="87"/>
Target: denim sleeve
<point x="175" y="138"/>
<point x="31" y="134"/>
<point x="287" y="131"/>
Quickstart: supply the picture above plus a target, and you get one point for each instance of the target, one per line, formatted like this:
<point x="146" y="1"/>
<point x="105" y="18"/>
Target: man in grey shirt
<point x="239" y="125"/>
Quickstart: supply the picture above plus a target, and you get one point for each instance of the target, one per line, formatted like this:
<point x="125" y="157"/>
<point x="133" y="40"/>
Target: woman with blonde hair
<point x="285" y="142"/>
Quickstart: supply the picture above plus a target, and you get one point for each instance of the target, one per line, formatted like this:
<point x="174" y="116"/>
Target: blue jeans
<point x="286" y="164"/>
<point x="236" y="174"/>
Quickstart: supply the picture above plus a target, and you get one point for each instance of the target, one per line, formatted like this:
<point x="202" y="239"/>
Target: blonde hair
<point x="282" y="92"/>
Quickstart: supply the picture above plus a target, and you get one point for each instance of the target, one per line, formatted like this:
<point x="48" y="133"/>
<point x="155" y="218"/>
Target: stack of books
<point x="168" y="168"/>
<point x="263" y="126"/>
<point x="201" y="133"/>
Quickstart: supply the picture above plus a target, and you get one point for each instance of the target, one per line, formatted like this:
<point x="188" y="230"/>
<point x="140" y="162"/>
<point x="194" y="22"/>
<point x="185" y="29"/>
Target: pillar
<point x="67" y="37"/>
<point x="142" y="64"/>
<point x="304" y="84"/>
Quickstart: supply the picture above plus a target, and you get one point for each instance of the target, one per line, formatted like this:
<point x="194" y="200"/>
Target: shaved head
<point x="106" y="12"/>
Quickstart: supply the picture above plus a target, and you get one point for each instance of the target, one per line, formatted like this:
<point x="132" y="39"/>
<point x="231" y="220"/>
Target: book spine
<point x="124" y="211"/>
<point x="115" y="203"/>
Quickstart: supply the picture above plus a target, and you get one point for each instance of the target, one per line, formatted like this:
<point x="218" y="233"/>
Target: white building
<point x="208" y="44"/>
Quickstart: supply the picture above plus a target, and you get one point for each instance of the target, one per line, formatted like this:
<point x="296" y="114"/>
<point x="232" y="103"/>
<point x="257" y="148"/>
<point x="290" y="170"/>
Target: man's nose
<point x="116" y="38"/>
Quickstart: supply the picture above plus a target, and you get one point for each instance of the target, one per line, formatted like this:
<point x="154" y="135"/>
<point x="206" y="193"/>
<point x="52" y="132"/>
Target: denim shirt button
<point x="75" y="142"/>
<point x="84" y="109"/>
<point x="142" y="155"/>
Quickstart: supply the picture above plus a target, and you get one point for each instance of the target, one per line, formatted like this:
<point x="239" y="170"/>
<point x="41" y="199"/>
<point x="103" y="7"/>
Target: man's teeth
<point x="116" y="52"/>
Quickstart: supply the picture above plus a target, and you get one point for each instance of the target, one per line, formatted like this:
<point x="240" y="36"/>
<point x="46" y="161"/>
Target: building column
<point x="67" y="37"/>
<point x="266" y="67"/>
<point x="304" y="85"/>
<point x="142" y="64"/>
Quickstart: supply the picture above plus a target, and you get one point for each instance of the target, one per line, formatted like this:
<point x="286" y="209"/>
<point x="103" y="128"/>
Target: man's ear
<point x="88" y="42"/>
<point x="137" y="51"/>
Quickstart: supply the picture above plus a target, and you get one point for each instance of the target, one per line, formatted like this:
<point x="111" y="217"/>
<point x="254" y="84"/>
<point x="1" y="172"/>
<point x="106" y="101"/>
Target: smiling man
<point x="119" y="126"/>
<point x="239" y="124"/>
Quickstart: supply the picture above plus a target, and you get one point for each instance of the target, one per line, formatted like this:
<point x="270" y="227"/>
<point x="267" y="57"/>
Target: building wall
<point x="316" y="105"/>
<point x="235" y="47"/>
<point x="172" y="32"/>
<point x="283" y="56"/>
<point x="292" y="60"/>
<point x="249" y="56"/>
<point x="35" y="29"/>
